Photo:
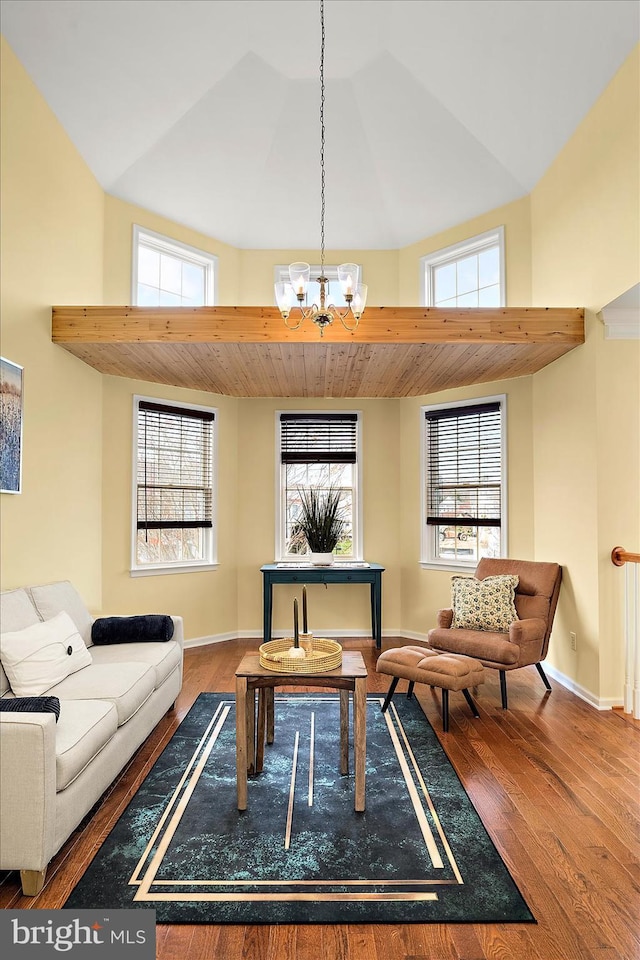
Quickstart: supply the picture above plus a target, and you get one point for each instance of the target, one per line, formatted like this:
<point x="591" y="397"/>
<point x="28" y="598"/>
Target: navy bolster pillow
<point x="151" y="628"/>
<point x="30" y="705"/>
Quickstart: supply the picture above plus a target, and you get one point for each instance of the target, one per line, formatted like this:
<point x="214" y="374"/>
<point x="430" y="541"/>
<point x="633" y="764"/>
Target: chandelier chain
<point x="355" y="293"/>
<point x="322" y="175"/>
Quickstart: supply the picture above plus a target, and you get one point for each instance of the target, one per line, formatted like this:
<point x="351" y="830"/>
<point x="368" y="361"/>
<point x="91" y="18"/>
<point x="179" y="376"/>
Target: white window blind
<point x="464" y="472"/>
<point x="320" y="451"/>
<point x="175" y="467"/>
<point x="318" y="438"/>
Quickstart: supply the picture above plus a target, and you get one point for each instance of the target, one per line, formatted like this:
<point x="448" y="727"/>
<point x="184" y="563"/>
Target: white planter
<point x="321" y="559"/>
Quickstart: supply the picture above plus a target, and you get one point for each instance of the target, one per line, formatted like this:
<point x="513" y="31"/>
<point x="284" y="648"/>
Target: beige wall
<point x="573" y="428"/>
<point x="379" y="272"/>
<point x="586" y="410"/>
<point x="119" y="219"/>
<point x="52" y="229"/>
<point x="231" y="598"/>
<point x="206" y="600"/>
<point x="337" y="607"/>
<point x="245" y="277"/>
<point x="514" y="217"/>
<point x="425" y="591"/>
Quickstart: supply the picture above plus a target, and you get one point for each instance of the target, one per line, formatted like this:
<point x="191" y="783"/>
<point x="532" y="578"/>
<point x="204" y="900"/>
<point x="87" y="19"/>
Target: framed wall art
<point x="10" y="427"/>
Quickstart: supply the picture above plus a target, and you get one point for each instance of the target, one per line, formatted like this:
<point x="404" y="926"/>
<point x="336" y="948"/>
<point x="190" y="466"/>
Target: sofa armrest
<point x="527" y="631"/>
<point x="178" y="630"/>
<point x="27" y="790"/>
<point x="445" y="619"/>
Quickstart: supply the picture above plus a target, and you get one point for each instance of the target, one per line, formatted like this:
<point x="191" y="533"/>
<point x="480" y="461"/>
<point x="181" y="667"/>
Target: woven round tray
<point x="326" y="655"/>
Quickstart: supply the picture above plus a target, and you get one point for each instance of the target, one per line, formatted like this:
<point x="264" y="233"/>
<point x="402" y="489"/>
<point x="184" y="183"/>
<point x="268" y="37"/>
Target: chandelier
<point x="354" y="292"/>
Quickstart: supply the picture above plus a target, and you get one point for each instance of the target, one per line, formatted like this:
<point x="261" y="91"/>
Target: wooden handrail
<point x="620" y="556"/>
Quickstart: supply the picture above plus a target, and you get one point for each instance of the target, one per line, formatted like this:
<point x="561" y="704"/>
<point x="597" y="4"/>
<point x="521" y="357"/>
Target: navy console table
<point x="372" y="574"/>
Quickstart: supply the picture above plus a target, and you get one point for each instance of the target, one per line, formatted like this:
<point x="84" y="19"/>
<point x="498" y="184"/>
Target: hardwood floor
<point x="555" y="782"/>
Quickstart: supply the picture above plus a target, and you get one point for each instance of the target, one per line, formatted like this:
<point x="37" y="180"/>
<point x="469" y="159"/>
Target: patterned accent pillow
<point x="487" y="604"/>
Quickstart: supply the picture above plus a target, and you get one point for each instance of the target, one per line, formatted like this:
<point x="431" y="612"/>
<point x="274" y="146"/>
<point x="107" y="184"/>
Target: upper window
<point x="333" y="288"/>
<point x="167" y="273"/>
<point x="319" y="450"/>
<point x="464" y="482"/>
<point x="173" y="486"/>
<point x="469" y="274"/>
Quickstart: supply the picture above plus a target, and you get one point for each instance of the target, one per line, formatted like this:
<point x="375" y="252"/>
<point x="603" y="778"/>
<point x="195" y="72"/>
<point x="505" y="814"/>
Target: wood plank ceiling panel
<point x="395" y="352"/>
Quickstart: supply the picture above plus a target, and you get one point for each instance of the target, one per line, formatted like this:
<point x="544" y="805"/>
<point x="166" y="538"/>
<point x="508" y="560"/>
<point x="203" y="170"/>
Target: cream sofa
<point x="51" y="774"/>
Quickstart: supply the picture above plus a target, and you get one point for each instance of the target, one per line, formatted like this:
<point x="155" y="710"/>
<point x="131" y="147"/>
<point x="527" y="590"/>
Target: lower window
<point x="464" y="503"/>
<point x="173" y="486"/>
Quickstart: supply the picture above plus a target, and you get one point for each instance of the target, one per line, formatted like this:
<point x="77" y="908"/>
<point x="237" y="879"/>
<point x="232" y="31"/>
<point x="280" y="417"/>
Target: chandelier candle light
<point x="354" y="292"/>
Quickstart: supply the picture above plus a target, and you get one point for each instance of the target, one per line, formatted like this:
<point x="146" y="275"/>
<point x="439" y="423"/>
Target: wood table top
<point x="352" y="667"/>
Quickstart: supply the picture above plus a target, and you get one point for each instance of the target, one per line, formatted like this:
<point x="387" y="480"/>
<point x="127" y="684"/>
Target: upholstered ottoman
<point x="449" y="671"/>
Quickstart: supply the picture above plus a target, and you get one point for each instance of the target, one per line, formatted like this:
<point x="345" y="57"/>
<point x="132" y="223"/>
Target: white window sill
<point x="167" y="569"/>
<point x="447" y="566"/>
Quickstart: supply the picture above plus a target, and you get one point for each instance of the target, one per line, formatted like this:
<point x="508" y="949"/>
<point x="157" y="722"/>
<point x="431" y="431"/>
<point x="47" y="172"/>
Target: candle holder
<point x="306" y="642"/>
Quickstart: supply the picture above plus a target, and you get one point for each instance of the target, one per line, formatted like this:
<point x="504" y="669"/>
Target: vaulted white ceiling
<point x="208" y="112"/>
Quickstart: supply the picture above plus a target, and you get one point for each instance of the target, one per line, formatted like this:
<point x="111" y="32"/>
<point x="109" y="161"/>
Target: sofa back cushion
<point x="16" y="612"/>
<point x="41" y="656"/>
<point x="53" y="598"/>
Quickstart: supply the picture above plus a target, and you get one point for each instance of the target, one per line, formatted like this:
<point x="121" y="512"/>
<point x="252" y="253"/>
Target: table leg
<point x="241" y="741"/>
<point x="267" y="590"/>
<point x="378" y="606"/>
<point x="360" y="738"/>
<point x="344" y="732"/>
<point x="251" y="729"/>
<point x="271" y="719"/>
<point x="262" y="718"/>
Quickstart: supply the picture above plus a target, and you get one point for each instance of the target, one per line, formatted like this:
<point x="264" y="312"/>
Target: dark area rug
<point x="418" y="854"/>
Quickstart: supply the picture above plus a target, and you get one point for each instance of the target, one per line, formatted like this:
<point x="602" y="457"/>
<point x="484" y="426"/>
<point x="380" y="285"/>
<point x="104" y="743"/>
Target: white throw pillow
<point x="38" y="657"/>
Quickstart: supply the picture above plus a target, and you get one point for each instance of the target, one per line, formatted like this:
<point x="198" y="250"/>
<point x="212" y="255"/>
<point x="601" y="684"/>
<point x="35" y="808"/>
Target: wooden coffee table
<point x="252" y="677"/>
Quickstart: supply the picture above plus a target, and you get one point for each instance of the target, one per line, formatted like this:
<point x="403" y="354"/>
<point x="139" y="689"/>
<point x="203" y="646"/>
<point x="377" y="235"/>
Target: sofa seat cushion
<point x="485" y="646"/>
<point x="163" y="657"/>
<point x="85" y="727"/>
<point x="127" y="685"/>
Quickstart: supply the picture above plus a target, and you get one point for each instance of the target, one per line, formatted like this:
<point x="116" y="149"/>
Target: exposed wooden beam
<point x="248" y="351"/>
<point x="398" y="325"/>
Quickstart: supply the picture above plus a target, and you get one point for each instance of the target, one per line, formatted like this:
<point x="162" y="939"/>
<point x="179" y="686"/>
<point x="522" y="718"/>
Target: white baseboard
<point x="280" y="632"/>
<point x="331" y="632"/>
<point x="600" y="703"/>
<point x="412" y="635"/>
<point x="214" y="638"/>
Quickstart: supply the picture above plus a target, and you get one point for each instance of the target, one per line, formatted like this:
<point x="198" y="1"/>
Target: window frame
<point x="428" y="558"/>
<point x="180" y="251"/>
<point x="210" y="562"/>
<point x="458" y="251"/>
<point x="280" y="512"/>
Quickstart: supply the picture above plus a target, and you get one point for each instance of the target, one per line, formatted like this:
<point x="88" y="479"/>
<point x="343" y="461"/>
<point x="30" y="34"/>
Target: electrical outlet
<point x="573" y="641"/>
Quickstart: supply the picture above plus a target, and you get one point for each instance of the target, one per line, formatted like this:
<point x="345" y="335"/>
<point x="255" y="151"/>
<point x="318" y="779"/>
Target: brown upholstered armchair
<point x="527" y="641"/>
